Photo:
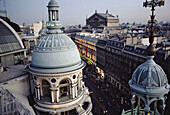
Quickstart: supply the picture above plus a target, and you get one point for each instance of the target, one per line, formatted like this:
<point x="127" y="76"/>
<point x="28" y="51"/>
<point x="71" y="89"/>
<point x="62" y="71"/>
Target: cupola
<point x="55" y="52"/>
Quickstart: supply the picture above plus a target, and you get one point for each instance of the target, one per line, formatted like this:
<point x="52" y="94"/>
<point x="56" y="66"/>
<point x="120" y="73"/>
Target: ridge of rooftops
<point x="127" y="45"/>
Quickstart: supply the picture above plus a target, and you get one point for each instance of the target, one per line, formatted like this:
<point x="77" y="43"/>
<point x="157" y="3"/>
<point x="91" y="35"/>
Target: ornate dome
<point x="149" y="77"/>
<point x="149" y="74"/>
<point x="55" y="52"/>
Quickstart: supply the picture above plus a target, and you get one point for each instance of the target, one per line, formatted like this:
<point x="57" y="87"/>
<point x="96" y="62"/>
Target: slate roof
<point x="12" y="72"/>
<point x="105" y="15"/>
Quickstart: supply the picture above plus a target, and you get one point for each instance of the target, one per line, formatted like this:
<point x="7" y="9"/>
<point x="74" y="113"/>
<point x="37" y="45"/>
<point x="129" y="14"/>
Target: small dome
<point x="149" y="74"/>
<point x="128" y="25"/>
<point x="52" y="3"/>
<point x="149" y="79"/>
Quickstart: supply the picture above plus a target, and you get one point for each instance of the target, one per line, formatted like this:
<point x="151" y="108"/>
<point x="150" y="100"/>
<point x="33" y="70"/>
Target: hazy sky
<point x="74" y="12"/>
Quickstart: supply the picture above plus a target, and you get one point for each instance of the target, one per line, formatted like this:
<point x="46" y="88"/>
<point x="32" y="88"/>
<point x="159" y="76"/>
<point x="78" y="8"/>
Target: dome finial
<point x="150" y="51"/>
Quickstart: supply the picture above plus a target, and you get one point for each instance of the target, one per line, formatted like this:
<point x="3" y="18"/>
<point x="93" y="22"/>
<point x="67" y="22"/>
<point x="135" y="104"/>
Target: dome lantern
<point x="53" y="25"/>
<point x="53" y="10"/>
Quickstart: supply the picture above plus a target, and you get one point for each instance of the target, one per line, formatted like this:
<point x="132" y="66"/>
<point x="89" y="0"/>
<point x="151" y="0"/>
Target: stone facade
<point x="101" y="20"/>
<point x="87" y="46"/>
<point x="53" y="92"/>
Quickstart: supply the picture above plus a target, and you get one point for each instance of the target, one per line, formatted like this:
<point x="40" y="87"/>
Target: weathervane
<point x="152" y="24"/>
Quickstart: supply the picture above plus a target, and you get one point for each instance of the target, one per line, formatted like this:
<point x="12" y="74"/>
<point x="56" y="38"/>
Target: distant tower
<point x="107" y="12"/>
<point x="43" y="29"/>
<point x="149" y="83"/>
<point x="3" y="11"/>
<point x="56" y="76"/>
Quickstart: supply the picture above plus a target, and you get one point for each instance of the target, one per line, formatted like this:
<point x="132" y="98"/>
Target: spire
<point x="107" y="12"/>
<point x="3" y="11"/>
<point x="150" y="51"/>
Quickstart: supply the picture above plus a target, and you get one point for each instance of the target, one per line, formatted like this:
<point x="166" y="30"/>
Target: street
<point x="102" y="103"/>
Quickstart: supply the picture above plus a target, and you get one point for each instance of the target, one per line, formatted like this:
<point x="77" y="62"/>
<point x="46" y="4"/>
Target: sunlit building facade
<point x="86" y="45"/>
<point x="102" y="20"/>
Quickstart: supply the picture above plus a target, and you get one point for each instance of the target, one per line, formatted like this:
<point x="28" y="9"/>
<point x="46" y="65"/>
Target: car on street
<point x="104" y="109"/>
<point x="85" y="77"/>
<point x="100" y="99"/>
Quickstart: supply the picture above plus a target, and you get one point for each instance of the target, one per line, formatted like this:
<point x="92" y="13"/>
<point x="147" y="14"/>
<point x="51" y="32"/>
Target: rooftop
<point x="12" y="72"/>
<point x="105" y="15"/>
<point x="9" y="39"/>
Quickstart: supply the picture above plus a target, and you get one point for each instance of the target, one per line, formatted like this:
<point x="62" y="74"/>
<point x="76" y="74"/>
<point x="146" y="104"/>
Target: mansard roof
<point x="105" y="15"/>
<point x="101" y="15"/>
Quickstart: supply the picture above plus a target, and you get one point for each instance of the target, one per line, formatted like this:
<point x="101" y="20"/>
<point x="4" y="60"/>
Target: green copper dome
<point x="149" y="78"/>
<point x="55" y="52"/>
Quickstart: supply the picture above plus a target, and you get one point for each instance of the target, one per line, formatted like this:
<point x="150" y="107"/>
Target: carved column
<point x="38" y="92"/>
<point x="57" y="95"/>
<point x="52" y="96"/>
<point x="49" y="15"/>
<point x="73" y="92"/>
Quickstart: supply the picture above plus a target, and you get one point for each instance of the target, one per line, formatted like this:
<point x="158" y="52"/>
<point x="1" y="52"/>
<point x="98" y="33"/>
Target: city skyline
<point x="74" y="12"/>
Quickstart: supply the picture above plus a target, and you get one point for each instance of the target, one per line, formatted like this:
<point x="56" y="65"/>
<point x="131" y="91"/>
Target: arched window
<point x="64" y="90"/>
<point x="46" y="92"/>
<point x="85" y="105"/>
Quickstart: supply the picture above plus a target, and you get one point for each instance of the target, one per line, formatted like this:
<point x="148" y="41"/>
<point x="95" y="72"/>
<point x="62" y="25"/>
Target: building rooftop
<point x="105" y="15"/>
<point x="12" y="72"/>
<point x="9" y="39"/>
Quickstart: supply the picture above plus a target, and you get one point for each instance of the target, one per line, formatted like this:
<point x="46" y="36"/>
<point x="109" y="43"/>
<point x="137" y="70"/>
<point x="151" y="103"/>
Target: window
<point x="46" y="92"/>
<point x="53" y="80"/>
<point x="74" y="76"/>
<point x="85" y="105"/>
<point x="64" y="88"/>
